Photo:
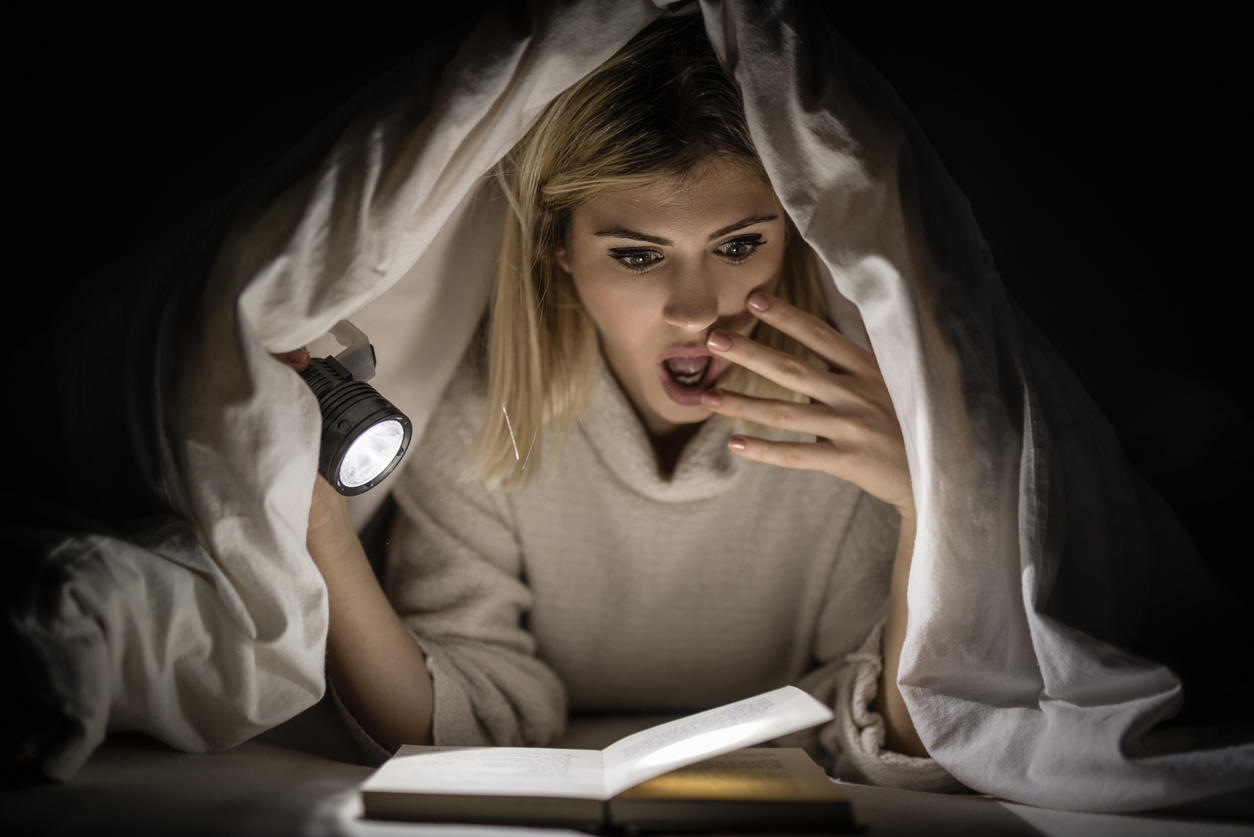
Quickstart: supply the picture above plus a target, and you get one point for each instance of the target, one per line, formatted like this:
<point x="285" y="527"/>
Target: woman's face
<point x="658" y="267"/>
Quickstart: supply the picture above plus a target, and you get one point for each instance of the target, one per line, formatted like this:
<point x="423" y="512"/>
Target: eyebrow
<point x="620" y="232"/>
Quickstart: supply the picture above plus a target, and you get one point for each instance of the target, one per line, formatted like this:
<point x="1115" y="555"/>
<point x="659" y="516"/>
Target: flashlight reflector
<point x="373" y="451"/>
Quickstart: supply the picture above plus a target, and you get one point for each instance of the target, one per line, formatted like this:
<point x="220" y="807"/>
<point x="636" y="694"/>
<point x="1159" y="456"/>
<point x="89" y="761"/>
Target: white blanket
<point x="1041" y="561"/>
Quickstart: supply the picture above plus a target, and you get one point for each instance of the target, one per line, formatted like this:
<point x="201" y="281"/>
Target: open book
<point x="635" y="782"/>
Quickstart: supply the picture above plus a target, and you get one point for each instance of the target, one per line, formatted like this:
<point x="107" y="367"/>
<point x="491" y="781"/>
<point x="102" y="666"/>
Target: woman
<point x="1044" y="575"/>
<point x="616" y="549"/>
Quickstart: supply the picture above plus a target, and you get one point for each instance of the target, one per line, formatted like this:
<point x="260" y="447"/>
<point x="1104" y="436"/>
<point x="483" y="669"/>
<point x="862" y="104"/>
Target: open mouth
<point x="685" y="377"/>
<point x="687" y="371"/>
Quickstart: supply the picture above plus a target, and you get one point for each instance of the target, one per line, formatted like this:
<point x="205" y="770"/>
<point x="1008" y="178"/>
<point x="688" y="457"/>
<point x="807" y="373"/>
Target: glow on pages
<point x="704" y="745"/>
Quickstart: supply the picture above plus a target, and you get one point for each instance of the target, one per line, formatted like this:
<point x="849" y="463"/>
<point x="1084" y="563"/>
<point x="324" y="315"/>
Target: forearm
<point x="901" y="736"/>
<point x="378" y="669"/>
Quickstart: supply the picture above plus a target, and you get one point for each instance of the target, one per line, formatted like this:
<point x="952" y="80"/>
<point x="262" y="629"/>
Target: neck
<point x="668" y="439"/>
<point x="670" y="444"/>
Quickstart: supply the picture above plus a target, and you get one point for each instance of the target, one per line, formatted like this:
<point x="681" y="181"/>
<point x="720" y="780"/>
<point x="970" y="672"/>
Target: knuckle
<point x="793" y="457"/>
<point x="782" y="413"/>
<point x="792" y="368"/>
<point x="856" y="456"/>
<point x="834" y="460"/>
<point x="861" y="396"/>
<point x="818" y="333"/>
<point x="845" y="457"/>
<point x="883" y="414"/>
<point x="865" y="431"/>
<point x="854" y="430"/>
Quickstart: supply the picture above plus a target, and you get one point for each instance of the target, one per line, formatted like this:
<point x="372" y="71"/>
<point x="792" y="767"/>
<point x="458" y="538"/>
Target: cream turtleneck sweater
<point x="611" y="588"/>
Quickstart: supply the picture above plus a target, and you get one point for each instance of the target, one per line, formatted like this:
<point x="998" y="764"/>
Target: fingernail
<point x="758" y="301"/>
<point x="736" y="443"/>
<point x="718" y="341"/>
<point x="712" y="398"/>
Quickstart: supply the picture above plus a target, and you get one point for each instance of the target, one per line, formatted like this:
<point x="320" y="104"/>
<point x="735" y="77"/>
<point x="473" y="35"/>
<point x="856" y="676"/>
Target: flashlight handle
<point x="323" y="374"/>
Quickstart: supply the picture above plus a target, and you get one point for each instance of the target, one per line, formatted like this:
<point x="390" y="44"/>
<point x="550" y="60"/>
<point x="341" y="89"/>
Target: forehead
<point x="695" y="204"/>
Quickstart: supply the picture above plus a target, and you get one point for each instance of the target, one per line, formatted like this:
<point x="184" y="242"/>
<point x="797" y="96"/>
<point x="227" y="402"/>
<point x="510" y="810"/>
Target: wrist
<point x="906" y="536"/>
<point x="330" y="528"/>
<point x="332" y="542"/>
<point x="908" y="519"/>
<point x="905" y="509"/>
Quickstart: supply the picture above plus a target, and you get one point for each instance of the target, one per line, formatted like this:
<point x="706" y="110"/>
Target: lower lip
<point x="689" y="396"/>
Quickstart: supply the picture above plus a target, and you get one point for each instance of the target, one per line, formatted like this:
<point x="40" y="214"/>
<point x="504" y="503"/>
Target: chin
<point x="679" y="414"/>
<point x="666" y="411"/>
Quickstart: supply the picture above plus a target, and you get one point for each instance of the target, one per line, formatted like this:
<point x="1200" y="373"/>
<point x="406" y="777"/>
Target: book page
<point x="491" y="771"/>
<point x="659" y="749"/>
<point x="753" y="774"/>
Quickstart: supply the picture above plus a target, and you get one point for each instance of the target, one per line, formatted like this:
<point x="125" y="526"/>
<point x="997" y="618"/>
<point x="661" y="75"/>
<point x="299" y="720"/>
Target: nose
<point x="692" y="303"/>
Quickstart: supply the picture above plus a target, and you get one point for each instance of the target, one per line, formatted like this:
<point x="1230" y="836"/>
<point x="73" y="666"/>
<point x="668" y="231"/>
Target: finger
<point x="814" y="419"/>
<point x="812" y="332"/>
<point x="789" y="371"/>
<point x="297" y="359"/>
<point x="803" y="456"/>
<point x="883" y="480"/>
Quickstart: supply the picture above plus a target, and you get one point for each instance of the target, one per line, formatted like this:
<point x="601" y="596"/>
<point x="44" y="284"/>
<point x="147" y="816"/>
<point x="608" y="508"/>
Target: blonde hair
<point x="661" y="106"/>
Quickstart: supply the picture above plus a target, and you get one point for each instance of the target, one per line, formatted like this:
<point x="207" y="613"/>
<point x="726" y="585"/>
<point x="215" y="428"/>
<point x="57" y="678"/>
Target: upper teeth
<point x="688" y="371"/>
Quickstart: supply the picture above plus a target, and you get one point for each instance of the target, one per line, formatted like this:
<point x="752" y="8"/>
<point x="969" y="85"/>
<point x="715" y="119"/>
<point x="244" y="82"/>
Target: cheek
<point x="768" y="279"/>
<point x="755" y="275"/>
<point x="771" y="285"/>
<point x="616" y="307"/>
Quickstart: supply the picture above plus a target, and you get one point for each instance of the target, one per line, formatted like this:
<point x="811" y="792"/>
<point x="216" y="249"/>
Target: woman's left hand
<point x="849" y="409"/>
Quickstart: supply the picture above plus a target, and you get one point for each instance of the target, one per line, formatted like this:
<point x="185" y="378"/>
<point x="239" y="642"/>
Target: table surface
<point x="136" y="786"/>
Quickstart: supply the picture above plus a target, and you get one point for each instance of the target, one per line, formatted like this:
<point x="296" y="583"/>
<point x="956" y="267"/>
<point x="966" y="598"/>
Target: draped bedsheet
<point x="1052" y="596"/>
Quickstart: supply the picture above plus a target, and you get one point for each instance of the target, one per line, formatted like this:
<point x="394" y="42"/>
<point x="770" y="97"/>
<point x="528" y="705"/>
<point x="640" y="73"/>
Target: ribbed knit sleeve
<point x="454" y="575"/>
<point x="853" y="743"/>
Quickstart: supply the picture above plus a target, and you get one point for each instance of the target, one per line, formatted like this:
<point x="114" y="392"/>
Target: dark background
<point x="1101" y="158"/>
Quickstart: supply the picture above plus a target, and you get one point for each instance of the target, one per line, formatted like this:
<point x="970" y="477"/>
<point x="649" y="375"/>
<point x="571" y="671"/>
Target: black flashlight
<point x="363" y="435"/>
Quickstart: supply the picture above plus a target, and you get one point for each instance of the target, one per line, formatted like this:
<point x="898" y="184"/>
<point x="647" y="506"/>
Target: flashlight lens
<point x="372" y="451"/>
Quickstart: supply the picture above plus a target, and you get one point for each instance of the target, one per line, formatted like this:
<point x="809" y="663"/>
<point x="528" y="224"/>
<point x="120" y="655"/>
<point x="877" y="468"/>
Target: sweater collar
<point x="614" y="431"/>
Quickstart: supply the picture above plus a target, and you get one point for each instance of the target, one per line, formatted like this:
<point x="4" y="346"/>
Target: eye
<point x="739" y="249"/>
<point x="637" y="260"/>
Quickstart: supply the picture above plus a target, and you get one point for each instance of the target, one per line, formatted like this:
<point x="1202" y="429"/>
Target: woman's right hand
<point x="297" y="359"/>
<point x="379" y="670"/>
<point x="331" y="529"/>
